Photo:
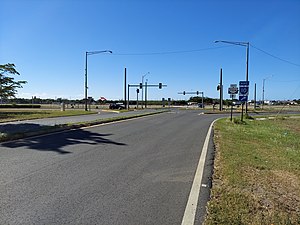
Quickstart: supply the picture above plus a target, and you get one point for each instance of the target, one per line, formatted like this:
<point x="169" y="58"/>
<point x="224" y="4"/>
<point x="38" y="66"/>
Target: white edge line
<point x="191" y="206"/>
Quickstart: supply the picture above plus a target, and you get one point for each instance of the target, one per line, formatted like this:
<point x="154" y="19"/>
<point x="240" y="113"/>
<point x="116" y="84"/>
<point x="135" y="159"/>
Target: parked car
<point x="116" y="106"/>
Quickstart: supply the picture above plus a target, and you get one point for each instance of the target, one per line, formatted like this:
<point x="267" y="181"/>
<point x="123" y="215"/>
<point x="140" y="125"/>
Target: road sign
<point x="233" y="89"/>
<point x="244" y="83"/>
<point x="244" y="88"/>
<point x="243" y="98"/>
<point x="244" y="91"/>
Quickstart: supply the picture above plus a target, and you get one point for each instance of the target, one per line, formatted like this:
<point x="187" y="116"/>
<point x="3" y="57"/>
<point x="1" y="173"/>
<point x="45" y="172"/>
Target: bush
<point x="237" y="120"/>
<point x="247" y="116"/>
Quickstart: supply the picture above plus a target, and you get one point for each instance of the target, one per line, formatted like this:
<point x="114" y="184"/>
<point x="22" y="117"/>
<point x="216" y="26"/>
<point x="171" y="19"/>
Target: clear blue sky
<point x="47" y="40"/>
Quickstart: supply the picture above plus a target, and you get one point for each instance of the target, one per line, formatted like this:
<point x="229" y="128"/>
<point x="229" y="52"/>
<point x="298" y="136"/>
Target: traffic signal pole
<point x="140" y="86"/>
<point x="194" y="93"/>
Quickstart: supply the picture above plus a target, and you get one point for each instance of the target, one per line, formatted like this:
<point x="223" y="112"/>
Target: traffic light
<point x="160" y="85"/>
<point x="197" y="92"/>
<point x="137" y="90"/>
<point x="141" y="85"/>
<point x="218" y="87"/>
<point x="184" y="93"/>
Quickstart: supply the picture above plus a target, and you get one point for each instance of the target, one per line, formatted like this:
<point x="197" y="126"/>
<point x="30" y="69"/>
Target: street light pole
<point x="246" y="44"/>
<point x="143" y="87"/>
<point x="146" y="93"/>
<point x="85" y="83"/>
<point x="263" y="94"/>
<point x="86" y="73"/>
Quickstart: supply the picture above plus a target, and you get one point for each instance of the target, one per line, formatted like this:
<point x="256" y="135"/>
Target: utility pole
<point x="263" y="94"/>
<point x="254" y="96"/>
<point x="202" y="100"/>
<point x="125" y="103"/>
<point x="137" y="97"/>
<point x="221" y="91"/>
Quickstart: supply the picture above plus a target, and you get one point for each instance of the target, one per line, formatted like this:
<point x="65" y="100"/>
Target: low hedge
<point x="2" y="106"/>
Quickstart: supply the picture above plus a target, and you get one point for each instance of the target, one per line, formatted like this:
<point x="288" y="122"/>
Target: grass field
<point x="14" y="115"/>
<point x="257" y="173"/>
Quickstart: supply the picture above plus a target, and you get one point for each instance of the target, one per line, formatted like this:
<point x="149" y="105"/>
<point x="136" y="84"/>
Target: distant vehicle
<point x="238" y="103"/>
<point x="200" y="105"/>
<point x="116" y="106"/>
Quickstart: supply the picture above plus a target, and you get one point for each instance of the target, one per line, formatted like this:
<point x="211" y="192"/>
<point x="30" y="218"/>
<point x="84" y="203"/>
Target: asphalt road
<point x="138" y="171"/>
<point x="37" y="124"/>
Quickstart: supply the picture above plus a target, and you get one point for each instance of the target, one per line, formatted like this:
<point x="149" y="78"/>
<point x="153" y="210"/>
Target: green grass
<point x="257" y="173"/>
<point x="15" y="115"/>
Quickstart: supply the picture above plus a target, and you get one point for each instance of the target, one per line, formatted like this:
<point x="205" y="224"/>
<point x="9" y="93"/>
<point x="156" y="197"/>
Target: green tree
<point x="8" y="85"/>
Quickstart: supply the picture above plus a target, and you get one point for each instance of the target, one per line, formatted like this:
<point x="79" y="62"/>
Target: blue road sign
<point x="244" y="91"/>
<point x="244" y="83"/>
<point x="243" y="98"/>
<point x="244" y="88"/>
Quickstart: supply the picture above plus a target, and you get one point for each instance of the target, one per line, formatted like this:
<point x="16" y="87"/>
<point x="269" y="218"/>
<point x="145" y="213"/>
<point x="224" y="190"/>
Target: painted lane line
<point x="191" y="206"/>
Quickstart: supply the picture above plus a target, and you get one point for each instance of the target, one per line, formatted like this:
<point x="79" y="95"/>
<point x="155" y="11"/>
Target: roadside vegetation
<point x="257" y="172"/>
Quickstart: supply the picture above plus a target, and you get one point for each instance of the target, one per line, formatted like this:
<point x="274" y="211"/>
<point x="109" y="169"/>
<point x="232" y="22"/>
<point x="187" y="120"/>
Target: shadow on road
<point x="19" y="127"/>
<point x="56" y="142"/>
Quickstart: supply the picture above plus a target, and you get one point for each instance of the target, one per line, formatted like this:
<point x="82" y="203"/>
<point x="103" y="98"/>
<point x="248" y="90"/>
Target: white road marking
<point x="191" y="206"/>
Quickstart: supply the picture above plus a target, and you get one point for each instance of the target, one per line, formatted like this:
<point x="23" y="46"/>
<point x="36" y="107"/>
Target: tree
<point x="8" y="85"/>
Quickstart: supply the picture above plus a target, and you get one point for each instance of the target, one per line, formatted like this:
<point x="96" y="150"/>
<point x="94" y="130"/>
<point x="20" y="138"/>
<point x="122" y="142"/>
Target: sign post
<point x="232" y="90"/>
<point x="243" y="95"/>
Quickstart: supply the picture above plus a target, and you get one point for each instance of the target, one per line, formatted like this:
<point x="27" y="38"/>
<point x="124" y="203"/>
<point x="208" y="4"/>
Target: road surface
<point x="38" y="124"/>
<point x="138" y="171"/>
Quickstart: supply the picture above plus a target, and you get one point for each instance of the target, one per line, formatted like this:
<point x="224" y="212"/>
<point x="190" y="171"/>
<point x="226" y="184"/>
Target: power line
<point x="172" y="52"/>
<point x="282" y="81"/>
<point x="283" y="60"/>
<point x="288" y="99"/>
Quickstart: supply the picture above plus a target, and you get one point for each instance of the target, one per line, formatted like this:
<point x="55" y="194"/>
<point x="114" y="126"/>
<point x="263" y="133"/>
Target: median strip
<point x="256" y="172"/>
<point x="61" y="127"/>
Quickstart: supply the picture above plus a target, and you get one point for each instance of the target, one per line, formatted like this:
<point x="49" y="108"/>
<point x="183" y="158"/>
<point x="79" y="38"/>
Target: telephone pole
<point x="221" y="91"/>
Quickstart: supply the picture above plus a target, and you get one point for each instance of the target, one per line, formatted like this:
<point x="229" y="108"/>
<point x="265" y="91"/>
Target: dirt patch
<point x="275" y="191"/>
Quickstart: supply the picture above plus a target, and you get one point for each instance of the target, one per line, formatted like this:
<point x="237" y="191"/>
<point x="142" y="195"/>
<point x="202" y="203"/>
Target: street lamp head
<point x="234" y="42"/>
<point x="98" y="52"/>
